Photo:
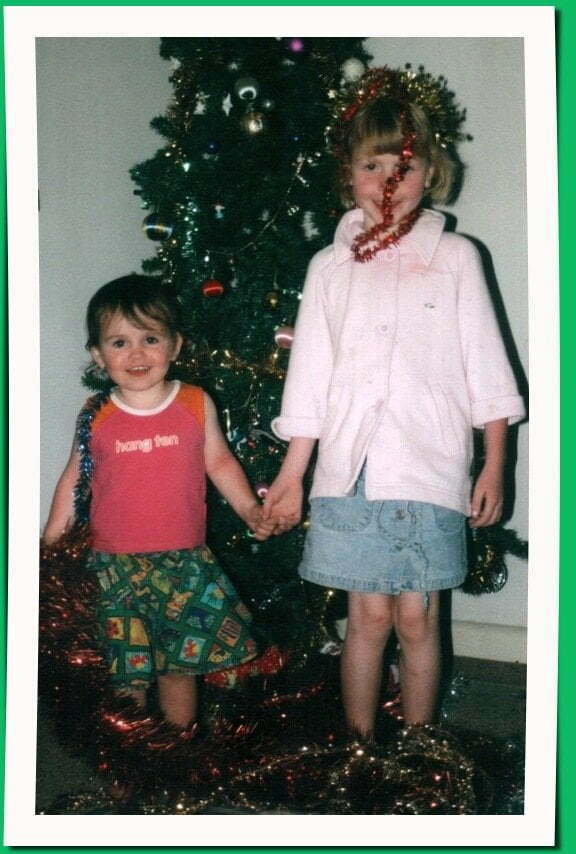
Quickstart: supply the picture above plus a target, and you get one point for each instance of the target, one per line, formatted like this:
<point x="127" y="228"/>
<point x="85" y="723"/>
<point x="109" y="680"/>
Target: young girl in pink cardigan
<point x="396" y="357"/>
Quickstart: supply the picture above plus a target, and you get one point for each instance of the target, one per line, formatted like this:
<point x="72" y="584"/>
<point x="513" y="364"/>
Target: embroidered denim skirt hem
<point x="387" y="547"/>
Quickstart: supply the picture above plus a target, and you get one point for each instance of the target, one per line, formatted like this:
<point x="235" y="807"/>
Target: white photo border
<point x="535" y="25"/>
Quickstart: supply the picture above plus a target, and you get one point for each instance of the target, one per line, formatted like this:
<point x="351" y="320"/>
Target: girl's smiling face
<point x="136" y="358"/>
<point x="369" y="172"/>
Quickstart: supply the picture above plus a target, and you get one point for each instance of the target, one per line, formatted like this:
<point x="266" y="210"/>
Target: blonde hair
<point x="381" y="124"/>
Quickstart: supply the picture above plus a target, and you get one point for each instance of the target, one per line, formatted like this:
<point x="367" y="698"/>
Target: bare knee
<point x="415" y="621"/>
<point x="370" y="615"/>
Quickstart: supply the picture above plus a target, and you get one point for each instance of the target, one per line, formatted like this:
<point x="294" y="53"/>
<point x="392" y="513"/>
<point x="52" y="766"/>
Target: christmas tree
<point x="239" y="198"/>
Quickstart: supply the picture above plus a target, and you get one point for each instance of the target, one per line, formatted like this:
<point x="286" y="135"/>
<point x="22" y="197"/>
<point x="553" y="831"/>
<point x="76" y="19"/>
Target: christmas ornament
<point x="487" y="571"/>
<point x="267" y="104"/>
<point x="219" y="211"/>
<point x="212" y="288"/>
<point x="296" y="45"/>
<point x="271" y="299"/>
<point x="200" y="107"/>
<point x="247" y="88"/>
<point x="154" y="228"/>
<point x="261" y="490"/>
<point x="253" y="123"/>
<point x="212" y="146"/>
<point x="284" y="336"/>
<point x="227" y="104"/>
<point x="352" y="69"/>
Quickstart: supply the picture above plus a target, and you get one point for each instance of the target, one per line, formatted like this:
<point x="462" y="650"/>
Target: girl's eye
<point x="118" y="343"/>
<point x="370" y="167"/>
<point x="151" y="339"/>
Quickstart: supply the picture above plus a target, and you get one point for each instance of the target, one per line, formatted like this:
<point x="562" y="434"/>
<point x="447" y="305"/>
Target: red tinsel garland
<point x="379" y="236"/>
<point x="252" y="750"/>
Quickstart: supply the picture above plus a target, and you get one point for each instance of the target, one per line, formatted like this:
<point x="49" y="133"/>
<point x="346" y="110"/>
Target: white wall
<point x="96" y="97"/>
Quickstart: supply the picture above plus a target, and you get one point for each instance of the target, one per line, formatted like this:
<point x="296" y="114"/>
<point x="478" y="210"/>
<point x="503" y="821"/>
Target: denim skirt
<point x="383" y="546"/>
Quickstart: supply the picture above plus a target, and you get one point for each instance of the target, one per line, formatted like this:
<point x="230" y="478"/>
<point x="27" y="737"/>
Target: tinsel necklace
<point x="368" y="243"/>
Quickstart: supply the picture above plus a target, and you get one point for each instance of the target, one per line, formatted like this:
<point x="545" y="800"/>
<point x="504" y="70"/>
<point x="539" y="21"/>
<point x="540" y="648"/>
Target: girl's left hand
<point x="261" y="528"/>
<point x="487" y="499"/>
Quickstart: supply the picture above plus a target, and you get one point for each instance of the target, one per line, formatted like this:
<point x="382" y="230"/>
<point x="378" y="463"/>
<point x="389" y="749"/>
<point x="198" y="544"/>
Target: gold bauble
<point x="271" y="299"/>
<point x="253" y="122"/>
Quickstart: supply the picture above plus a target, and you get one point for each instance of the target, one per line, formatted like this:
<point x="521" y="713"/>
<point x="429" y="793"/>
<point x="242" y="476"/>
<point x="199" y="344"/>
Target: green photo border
<point x="566" y="73"/>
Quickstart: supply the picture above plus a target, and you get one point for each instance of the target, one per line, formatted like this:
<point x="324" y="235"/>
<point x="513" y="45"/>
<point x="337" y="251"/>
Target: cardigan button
<point x="389" y="254"/>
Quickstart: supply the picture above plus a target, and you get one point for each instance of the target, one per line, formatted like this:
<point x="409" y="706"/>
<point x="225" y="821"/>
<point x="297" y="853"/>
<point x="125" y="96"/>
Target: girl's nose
<point x="383" y="176"/>
<point x="136" y="350"/>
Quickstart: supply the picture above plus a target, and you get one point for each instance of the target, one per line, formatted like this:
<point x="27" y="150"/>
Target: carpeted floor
<point x="485" y="697"/>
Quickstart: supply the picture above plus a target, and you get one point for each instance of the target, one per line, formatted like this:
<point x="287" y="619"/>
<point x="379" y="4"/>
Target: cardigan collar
<point x="423" y="237"/>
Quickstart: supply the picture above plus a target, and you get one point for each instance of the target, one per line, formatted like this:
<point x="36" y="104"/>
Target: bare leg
<point x="177" y="695"/>
<point x="418" y="633"/>
<point x="369" y="624"/>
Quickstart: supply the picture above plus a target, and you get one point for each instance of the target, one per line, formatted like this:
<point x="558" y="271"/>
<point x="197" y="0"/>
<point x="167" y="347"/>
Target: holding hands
<point x="280" y="512"/>
<point x="283" y="504"/>
<point x="261" y="528"/>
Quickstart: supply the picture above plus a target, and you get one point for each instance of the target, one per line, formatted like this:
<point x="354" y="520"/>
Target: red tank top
<point x="149" y="482"/>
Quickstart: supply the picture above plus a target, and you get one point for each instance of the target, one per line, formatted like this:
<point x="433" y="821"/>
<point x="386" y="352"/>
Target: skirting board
<point x="489" y="640"/>
<point x="481" y="640"/>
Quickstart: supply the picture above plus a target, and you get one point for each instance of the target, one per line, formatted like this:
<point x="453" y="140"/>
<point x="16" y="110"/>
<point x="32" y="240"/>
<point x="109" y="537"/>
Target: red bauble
<point x="212" y="288"/>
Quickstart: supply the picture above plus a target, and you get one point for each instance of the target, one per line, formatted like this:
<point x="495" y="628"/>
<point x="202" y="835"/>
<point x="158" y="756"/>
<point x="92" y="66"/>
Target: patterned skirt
<point x="169" y="612"/>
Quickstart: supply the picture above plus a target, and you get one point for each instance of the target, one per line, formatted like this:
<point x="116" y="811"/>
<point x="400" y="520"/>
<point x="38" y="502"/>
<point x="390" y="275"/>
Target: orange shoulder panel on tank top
<point x="192" y="397"/>
<point x="103" y="413"/>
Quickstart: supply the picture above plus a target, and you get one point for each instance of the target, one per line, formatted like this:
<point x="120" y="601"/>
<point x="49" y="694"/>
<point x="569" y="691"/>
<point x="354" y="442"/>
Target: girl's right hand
<point x="283" y="503"/>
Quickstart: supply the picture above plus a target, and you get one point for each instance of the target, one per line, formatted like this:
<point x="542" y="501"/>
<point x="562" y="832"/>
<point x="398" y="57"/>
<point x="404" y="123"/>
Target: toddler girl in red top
<point x="137" y="472"/>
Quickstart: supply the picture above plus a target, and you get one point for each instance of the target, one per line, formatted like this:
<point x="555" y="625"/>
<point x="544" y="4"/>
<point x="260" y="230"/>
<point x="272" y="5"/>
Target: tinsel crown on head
<point x="404" y="86"/>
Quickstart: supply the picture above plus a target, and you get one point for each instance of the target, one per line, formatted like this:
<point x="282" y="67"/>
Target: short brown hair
<point x="135" y="297"/>
<point x="381" y="122"/>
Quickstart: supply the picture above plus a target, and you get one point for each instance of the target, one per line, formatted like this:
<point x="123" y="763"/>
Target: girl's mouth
<point x="138" y="370"/>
